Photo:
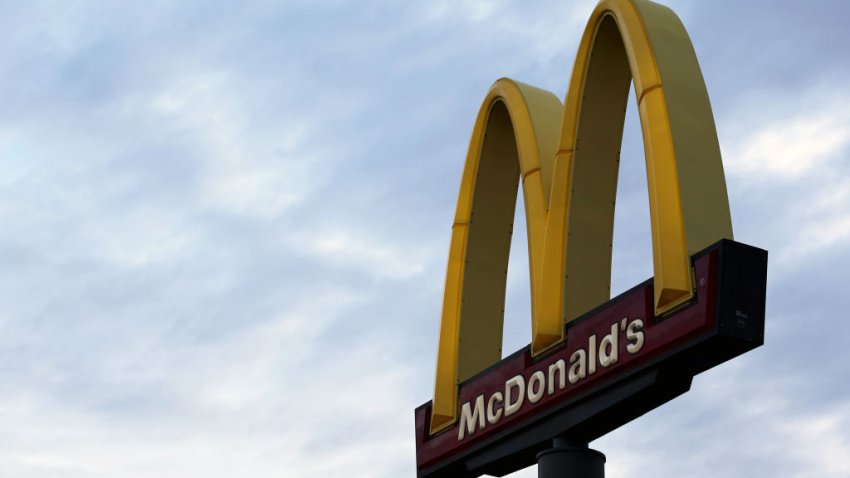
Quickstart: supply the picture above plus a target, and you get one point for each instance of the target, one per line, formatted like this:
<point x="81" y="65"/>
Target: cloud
<point x="370" y="256"/>
<point x="793" y="146"/>
<point x="793" y="160"/>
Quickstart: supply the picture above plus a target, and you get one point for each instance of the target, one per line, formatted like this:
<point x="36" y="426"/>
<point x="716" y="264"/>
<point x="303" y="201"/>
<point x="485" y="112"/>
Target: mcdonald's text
<point x="528" y="390"/>
<point x="618" y="361"/>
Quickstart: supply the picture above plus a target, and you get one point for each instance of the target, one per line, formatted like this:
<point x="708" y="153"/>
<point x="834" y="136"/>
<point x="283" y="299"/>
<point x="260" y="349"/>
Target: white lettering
<point x="558" y="366"/>
<point x="609" y="348"/>
<point x="578" y="366"/>
<point x="538" y="378"/>
<point x="591" y="351"/>
<point x="494" y="417"/>
<point x="476" y="414"/>
<point x="471" y="418"/>
<point x="634" y="334"/>
<point x="510" y="406"/>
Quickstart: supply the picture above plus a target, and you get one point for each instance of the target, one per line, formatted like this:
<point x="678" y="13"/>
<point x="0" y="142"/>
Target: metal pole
<point x="568" y="459"/>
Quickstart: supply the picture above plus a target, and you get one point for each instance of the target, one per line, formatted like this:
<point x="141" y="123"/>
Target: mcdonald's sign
<point x="594" y="363"/>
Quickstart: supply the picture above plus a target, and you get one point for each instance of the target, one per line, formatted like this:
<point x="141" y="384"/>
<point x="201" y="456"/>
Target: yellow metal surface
<point x="517" y="125"/>
<point x="568" y="159"/>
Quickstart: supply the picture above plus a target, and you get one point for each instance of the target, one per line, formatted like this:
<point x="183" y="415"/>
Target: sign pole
<point x="569" y="459"/>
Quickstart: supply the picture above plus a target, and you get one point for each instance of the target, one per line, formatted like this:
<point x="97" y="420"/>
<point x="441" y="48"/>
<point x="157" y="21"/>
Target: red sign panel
<point x="615" y="340"/>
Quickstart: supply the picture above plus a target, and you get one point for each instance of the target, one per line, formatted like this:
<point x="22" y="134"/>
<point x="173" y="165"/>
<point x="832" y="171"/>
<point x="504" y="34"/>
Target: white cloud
<point x="543" y="30"/>
<point x="788" y="167"/>
<point x="266" y="399"/>
<point x="779" y="137"/>
<point x="792" y="147"/>
<point x="250" y="169"/>
<point x="819" y="441"/>
<point x="827" y="217"/>
<point x="361" y="251"/>
<point x="759" y="418"/>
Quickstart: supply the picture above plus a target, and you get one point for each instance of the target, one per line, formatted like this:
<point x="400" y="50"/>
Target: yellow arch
<point x="515" y="135"/>
<point x="689" y="207"/>
<point x="571" y="263"/>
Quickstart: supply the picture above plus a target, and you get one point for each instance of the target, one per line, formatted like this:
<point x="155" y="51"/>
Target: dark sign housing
<point x="619" y="361"/>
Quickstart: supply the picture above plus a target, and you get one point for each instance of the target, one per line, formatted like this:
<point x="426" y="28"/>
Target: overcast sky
<point x="225" y="226"/>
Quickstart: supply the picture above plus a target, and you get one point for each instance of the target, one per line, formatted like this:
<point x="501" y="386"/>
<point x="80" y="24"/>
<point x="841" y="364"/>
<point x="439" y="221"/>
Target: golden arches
<point x="569" y="173"/>
<point x="514" y="136"/>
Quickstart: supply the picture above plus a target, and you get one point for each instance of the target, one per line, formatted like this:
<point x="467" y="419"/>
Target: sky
<point x="225" y="227"/>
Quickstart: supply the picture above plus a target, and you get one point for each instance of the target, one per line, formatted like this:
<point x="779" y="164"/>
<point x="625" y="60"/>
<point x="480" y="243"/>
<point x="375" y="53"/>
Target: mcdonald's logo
<point x="566" y="157"/>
